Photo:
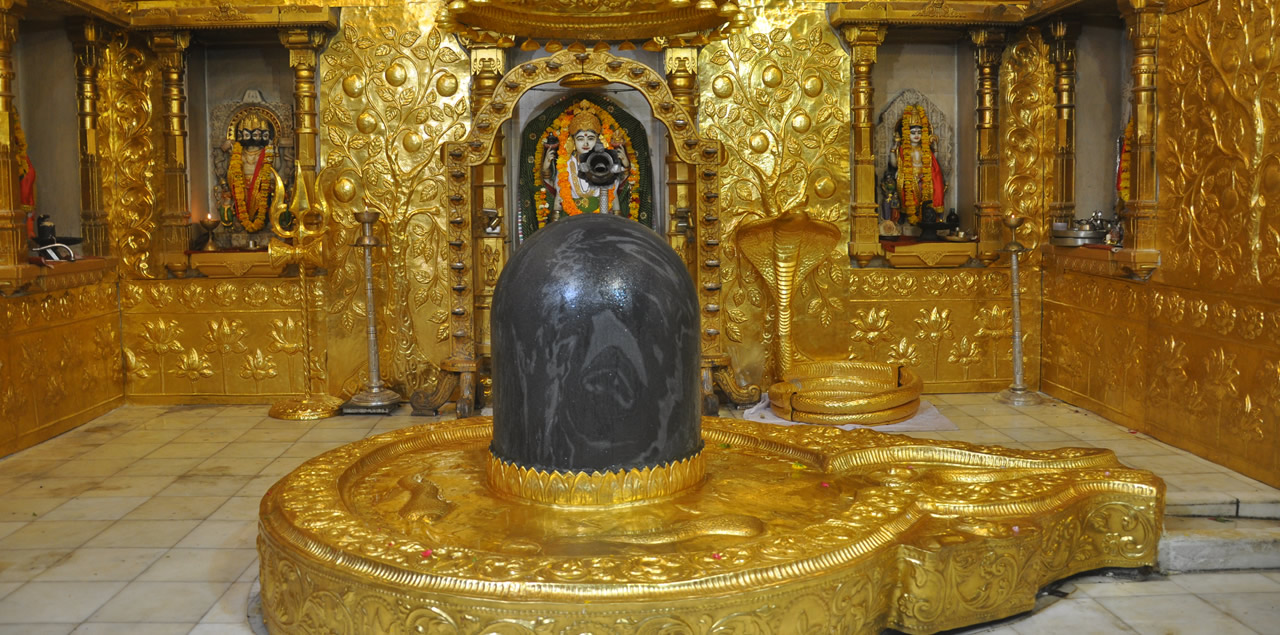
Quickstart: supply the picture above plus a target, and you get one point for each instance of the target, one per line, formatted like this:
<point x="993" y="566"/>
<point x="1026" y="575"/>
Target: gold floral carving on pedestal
<point x="595" y="489"/>
<point x="794" y="529"/>
<point x="395" y="90"/>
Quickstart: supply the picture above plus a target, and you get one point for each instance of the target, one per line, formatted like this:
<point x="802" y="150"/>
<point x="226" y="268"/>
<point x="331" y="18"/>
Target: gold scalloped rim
<point x="595" y="489"/>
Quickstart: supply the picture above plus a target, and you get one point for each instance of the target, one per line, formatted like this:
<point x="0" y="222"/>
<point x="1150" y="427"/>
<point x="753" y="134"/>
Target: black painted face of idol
<point x="595" y="350"/>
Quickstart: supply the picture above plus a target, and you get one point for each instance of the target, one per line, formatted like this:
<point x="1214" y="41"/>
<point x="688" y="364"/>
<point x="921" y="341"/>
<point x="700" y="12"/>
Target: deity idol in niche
<point x="251" y="171"/>
<point x="586" y="170"/>
<point x="920" y="183"/>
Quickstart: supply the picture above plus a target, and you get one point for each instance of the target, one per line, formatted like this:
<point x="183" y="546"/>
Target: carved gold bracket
<point x="864" y="41"/>
<point x="467" y="189"/>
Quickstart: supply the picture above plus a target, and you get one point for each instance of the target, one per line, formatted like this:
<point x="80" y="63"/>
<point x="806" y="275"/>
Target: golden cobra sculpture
<point x="784" y="250"/>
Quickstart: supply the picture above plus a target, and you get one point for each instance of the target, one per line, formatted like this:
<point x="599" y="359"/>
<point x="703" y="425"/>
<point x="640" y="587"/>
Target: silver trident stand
<point x="375" y="398"/>
<point x="1016" y="394"/>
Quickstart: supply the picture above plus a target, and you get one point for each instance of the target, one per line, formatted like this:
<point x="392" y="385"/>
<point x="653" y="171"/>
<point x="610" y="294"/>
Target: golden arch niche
<point x="475" y="195"/>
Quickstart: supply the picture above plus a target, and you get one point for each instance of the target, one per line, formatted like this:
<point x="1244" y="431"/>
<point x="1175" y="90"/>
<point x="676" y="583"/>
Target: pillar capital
<point x="303" y="43"/>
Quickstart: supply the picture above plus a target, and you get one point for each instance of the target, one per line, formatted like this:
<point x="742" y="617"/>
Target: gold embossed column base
<point x="792" y="529"/>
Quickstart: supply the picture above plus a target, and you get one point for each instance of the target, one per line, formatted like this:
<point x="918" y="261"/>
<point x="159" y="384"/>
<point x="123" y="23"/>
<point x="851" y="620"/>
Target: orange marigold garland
<point x="609" y="129"/>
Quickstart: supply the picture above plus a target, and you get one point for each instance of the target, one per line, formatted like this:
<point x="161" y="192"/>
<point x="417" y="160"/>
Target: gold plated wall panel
<point x="395" y="89"/>
<point x="59" y="362"/>
<point x="952" y="326"/>
<point x="208" y="340"/>
<point x="1192" y="356"/>
<point x="1218" y="152"/>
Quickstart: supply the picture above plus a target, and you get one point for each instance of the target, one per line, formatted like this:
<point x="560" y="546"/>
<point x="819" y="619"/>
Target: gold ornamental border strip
<point x="595" y="489"/>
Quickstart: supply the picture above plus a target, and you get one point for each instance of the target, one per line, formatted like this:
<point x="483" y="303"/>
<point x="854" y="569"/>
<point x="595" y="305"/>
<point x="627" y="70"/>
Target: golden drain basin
<point x="846" y="392"/>
<point x="792" y="529"/>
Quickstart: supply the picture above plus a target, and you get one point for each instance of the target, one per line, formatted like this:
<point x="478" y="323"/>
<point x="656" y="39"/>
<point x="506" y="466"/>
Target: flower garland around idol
<point x="252" y="217"/>
<point x="609" y="128"/>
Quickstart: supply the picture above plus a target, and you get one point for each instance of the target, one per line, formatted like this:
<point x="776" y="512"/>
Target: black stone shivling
<point x="595" y="350"/>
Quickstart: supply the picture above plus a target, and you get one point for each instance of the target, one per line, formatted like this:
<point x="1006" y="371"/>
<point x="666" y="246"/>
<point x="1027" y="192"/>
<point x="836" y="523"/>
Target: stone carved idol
<point x="583" y="154"/>
<point x="593" y="177"/>
<point x="251" y="172"/>
<point x="919" y="177"/>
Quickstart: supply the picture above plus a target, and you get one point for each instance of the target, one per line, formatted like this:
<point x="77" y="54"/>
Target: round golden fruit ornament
<point x="771" y="76"/>
<point x="396" y="75"/>
<point x="366" y="123"/>
<point x="759" y="142"/>
<point x="801" y="122"/>
<point x="412" y="142"/>
<point x="344" y="189"/>
<point x="722" y="86"/>
<point x="353" y="85"/>
<point x="812" y="86"/>
<point x="447" y="84"/>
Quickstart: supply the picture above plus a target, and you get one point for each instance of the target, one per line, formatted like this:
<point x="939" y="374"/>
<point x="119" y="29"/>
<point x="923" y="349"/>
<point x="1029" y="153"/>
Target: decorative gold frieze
<point x="595" y="489"/>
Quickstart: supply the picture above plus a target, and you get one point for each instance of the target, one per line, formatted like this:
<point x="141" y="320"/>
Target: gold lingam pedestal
<point x="721" y="525"/>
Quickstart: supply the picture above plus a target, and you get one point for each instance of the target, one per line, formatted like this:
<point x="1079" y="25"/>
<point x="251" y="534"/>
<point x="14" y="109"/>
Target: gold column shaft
<point x="171" y="48"/>
<point x="488" y="199"/>
<point x="1063" y="56"/>
<point x="302" y="45"/>
<point x="681" y="175"/>
<point x="864" y="41"/>
<point x="86" y="37"/>
<point x="13" y="221"/>
<point x="1143" y="20"/>
<point x="988" y="50"/>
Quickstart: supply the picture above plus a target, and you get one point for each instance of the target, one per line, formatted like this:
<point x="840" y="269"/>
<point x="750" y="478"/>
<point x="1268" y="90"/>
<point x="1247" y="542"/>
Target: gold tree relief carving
<point x="1218" y="140"/>
<point x="1027" y="141"/>
<point x="127" y="122"/>
<point x="397" y="95"/>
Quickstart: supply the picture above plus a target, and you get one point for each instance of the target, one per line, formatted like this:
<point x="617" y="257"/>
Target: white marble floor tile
<point x="177" y="508"/>
<point x="1173" y="615"/>
<point x="187" y="450"/>
<point x="161" y="602"/>
<point x="107" y="628"/>
<point x="20" y="565"/>
<point x="222" y="534"/>
<point x="222" y="629"/>
<point x="1072" y="616"/>
<point x="152" y="534"/>
<point x="95" y="508"/>
<point x="62" y="602"/>
<point x="1259" y="611"/>
<point x="238" y="508"/>
<point x="1234" y="582"/>
<point x="36" y="629"/>
<point x="205" y="485"/>
<point x="197" y="565"/>
<point x="100" y="565"/>
<point x="54" y="534"/>
<point x="231" y="608"/>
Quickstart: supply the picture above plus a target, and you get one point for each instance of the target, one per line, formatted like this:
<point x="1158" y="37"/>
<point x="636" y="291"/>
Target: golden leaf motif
<point x="934" y="324"/>
<point x="286" y="336"/>
<point x="225" y="336"/>
<point x="192" y="366"/>
<point x="995" y="321"/>
<point x="160" y="336"/>
<point x="135" y="365"/>
<point x="965" y="353"/>
<point x="870" y="326"/>
<point x="258" y="366"/>
<point x="904" y="353"/>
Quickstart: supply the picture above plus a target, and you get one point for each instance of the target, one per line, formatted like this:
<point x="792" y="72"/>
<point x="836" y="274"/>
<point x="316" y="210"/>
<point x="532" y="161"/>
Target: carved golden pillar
<point x="864" y="41"/>
<point x="14" y="271"/>
<point x="488" y="225"/>
<point x="86" y="38"/>
<point x="1063" y="56"/>
<point x="988" y="47"/>
<point x="302" y="45"/>
<point x="1143" y="20"/>
<point x="682" y="186"/>
<point x="175" y="216"/>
